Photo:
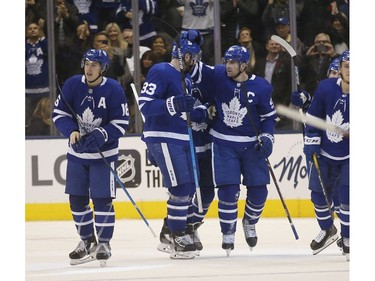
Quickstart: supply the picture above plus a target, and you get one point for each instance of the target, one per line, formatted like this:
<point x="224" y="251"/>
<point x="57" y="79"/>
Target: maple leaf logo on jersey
<point x="88" y="121"/>
<point x="233" y="114"/>
<point x="199" y="8"/>
<point x="338" y="121"/>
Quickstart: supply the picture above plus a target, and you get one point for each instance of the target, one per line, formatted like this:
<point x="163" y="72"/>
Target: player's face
<point x="232" y="67"/>
<point x="92" y="70"/>
<point x="345" y="71"/>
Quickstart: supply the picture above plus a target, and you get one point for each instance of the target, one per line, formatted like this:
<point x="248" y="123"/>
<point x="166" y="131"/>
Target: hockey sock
<point x="228" y="207"/>
<point x="82" y="215"/>
<point x="344" y="210"/>
<point x="104" y="218"/>
<point x="322" y="212"/>
<point x="255" y="199"/>
<point x="207" y="195"/>
<point x="177" y="207"/>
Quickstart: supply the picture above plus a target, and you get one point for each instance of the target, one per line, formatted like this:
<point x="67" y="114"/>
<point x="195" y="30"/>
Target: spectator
<point x="339" y="30"/>
<point x="147" y="9"/>
<point x="36" y="68"/>
<point x="314" y="18"/>
<point x="102" y="41"/>
<point x="254" y="48"/>
<point x="122" y="48"/>
<point x="84" y="38"/>
<point x="148" y="59"/>
<point x="161" y="49"/>
<point x="40" y="121"/>
<point x="282" y="29"/>
<point x="275" y="67"/>
<point x="106" y="12"/>
<point x="233" y="16"/>
<point x="86" y="13"/>
<point x="168" y="11"/>
<point x="66" y="22"/>
<point x="199" y="15"/>
<point x="314" y="64"/>
<point x="35" y="10"/>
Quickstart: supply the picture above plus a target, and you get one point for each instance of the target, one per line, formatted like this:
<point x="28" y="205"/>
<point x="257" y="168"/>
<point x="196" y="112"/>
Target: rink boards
<point x="45" y="164"/>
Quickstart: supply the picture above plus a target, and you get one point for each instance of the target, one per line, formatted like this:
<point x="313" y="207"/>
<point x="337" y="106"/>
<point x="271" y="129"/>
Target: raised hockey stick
<point x="317" y="167"/>
<point x="269" y="166"/>
<point x="135" y="93"/>
<point x="114" y="173"/>
<point x="173" y="33"/>
<point x="293" y="55"/>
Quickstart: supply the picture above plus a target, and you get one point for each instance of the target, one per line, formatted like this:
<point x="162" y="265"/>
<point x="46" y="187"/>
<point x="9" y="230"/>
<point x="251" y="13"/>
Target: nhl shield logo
<point x="129" y="168"/>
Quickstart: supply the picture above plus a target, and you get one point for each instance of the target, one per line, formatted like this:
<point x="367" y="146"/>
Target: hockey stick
<point x="293" y="55"/>
<point x="317" y="167"/>
<point x="175" y="35"/>
<point x="135" y="93"/>
<point x="114" y="173"/>
<point x="269" y="165"/>
<point x="310" y="120"/>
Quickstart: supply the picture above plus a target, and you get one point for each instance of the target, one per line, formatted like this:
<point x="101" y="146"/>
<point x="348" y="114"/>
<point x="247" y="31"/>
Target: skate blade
<point x="182" y="255"/>
<point x="347" y="257"/>
<point x="82" y="261"/>
<point x="329" y="242"/>
<point x="197" y="253"/>
<point x="103" y="263"/>
<point x="227" y="251"/>
<point x="165" y="248"/>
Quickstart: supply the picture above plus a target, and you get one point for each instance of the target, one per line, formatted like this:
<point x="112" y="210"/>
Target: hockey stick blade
<point x="285" y="45"/>
<point x="310" y="120"/>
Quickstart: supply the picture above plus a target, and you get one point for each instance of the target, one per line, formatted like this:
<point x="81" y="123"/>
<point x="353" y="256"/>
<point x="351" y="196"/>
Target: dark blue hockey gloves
<point x="199" y="114"/>
<point x="91" y="142"/>
<point x="193" y="35"/>
<point x="265" y="145"/>
<point x="311" y="145"/>
<point x="178" y="104"/>
<point x="301" y="99"/>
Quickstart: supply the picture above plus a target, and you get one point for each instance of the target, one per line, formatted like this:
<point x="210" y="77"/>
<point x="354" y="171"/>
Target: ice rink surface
<point x="278" y="256"/>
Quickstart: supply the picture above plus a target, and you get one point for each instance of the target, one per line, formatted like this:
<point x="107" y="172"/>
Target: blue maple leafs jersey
<point x="233" y="126"/>
<point x="331" y="104"/>
<point x="162" y="81"/>
<point x="101" y="106"/>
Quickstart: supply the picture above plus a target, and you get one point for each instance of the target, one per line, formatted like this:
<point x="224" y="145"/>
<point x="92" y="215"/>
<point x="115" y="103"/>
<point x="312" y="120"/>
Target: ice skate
<point x="103" y="253"/>
<point x="165" y="239"/>
<point x="250" y="234"/>
<point x="191" y="229"/>
<point x="346" y="247"/>
<point x="339" y="244"/>
<point x="183" y="247"/>
<point x="84" y="252"/>
<point x="324" y="239"/>
<point x="228" y="243"/>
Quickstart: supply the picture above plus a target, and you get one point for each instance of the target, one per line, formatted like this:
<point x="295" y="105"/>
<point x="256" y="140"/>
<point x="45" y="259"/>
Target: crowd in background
<point x="322" y="35"/>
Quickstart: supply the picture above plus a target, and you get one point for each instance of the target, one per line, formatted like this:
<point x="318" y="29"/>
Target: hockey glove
<point x="193" y="36"/>
<point x="264" y="145"/>
<point x="199" y="114"/>
<point x="178" y="104"/>
<point x="311" y="146"/>
<point x="94" y="140"/>
<point x="301" y="99"/>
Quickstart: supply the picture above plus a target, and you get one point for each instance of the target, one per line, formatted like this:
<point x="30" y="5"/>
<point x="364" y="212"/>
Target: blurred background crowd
<point x="58" y="32"/>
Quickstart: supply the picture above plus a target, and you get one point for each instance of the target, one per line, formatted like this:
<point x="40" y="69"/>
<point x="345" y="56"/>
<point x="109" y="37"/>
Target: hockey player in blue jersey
<point x="202" y="143"/>
<point x="164" y="104"/>
<point x="242" y="137"/>
<point x="91" y="111"/>
<point x="331" y="103"/>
